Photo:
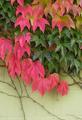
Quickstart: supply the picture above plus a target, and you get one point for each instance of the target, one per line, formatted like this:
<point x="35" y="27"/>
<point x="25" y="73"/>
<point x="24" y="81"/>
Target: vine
<point x="47" y="36"/>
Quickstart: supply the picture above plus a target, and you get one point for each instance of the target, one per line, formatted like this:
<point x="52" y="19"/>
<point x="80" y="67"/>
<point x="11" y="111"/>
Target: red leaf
<point x="23" y="38"/>
<point x="76" y="10"/>
<point x="12" y="1"/>
<point x="35" y="85"/>
<point x="19" y="51"/>
<point x="20" y="2"/>
<point x="32" y="71"/>
<point x="68" y="4"/>
<point x="5" y="47"/>
<point x="27" y="66"/>
<point x="24" y="10"/>
<point x="42" y="86"/>
<point x="58" y="8"/>
<point x="40" y="22"/>
<point x="63" y="21"/>
<point x="53" y="80"/>
<point x="20" y="9"/>
<point x="39" y="68"/>
<point x="13" y="64"/>
<point x="38" y="11"/>
<point x="63" y="88"/>
<point x="22" y="22"/>
<point x="34" y="14"/>
<point x="27" y="49"/>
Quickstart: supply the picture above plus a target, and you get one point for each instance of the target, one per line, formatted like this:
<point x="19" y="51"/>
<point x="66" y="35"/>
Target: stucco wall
<point x="49" y="107"/>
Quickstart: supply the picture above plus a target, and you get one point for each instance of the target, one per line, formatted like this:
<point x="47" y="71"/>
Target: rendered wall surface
<point x="49" y="107"/>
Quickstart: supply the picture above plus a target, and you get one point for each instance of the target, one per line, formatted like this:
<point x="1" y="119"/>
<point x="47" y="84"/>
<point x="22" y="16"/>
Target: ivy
<point x="38" y="39"/>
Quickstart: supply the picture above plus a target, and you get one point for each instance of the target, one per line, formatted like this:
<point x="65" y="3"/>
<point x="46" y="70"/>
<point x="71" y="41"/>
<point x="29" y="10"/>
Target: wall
<point x="49" y="107"/>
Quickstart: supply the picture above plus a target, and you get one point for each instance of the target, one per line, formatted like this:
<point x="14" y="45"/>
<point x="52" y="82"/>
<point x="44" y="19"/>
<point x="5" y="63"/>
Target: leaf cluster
<point x="58" y="50"/>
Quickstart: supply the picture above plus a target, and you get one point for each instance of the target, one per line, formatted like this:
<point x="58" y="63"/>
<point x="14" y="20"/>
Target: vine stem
<point x="42" y="106"/>
<point x="5" y="93"/>
<point x="20" y="98"/>
<point x="74" y="80"/>
<point x="20" y="84"/>
<point x="29" y="97"/>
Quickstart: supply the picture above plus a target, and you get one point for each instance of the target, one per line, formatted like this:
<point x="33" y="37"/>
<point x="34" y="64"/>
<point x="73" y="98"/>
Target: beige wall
<point x="49" y="107"/>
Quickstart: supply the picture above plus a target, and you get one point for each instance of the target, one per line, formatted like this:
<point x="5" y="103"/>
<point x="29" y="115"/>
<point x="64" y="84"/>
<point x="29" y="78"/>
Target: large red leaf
<point x="63" y="88"/>
<point x="63" y="21"/>
<point x="40" y="22"/>
<point x="27" y="66"/>
<point x="19" y="51"/>
<point x="22" y="22"/>
<point x="23" y="39"/>
<point x="53" y="80"/>
<point x="13" y="64"/>
<point x="5" y="47"/>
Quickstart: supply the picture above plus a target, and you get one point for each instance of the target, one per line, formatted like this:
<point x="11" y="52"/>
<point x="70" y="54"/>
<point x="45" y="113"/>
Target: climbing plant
<point x="39" y="38"/>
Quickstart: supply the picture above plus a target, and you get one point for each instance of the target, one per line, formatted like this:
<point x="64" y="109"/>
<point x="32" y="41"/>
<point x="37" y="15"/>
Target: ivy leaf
<point x="39" y="40"/>
<point x="63" y="88"/>
<point x="77" y="65"/>
<point x="51" y="67"/>
<point x="22" y="22"/>
<point x="40" y="22"/>
<point x="5" y="47"/>
<point x="63" y="21"/>
<point x="23" y="39"/>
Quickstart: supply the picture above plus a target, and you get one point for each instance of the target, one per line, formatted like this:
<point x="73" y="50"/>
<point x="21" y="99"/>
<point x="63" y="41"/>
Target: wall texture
<point x="34" y="107"/>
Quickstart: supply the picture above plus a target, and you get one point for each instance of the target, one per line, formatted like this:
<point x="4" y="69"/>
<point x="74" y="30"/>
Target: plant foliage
<point x="39" y="38"/>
